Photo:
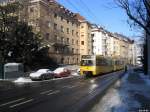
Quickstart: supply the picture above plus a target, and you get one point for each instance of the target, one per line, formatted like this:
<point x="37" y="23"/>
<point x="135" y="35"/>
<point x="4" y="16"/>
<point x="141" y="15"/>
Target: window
<point x="55" y="26"/>
<point x="47" y="36"/>
<point x="101" y="62"/>
<point x="82" y="42"/>
<point x="72" y="50"/>
<point x="62" y="39"/>
<point x="89" y="51"/>
<point x="61" y="18"/>
<point x="72" y="41"/>
<point x="67" y="30"/>
<point x="55" y="15"/>
<point x="55" y="37"/>
<point x="77" y="42"/>
<point x="77" y="60"/>
<point x="67" y="21"/>
<point x="82" y="35"/>
<point x="72" y="24"/>
<point x="77" y="34"/>
<point x="92" y="35"/>
<point x="82" y="26"/>
<point x="31" y="9"/>
<point x="62" y="29"/>
<point x="67" y="40"/>
<point x="87" y="62"/>
<point x="72" y="32"/>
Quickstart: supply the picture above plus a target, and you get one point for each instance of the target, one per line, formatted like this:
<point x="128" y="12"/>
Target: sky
<point x="102" y="12"/>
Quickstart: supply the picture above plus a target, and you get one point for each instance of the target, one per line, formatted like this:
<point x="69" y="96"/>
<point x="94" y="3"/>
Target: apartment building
<point x="85" y="36"/>
<point x="112" y="44"/>
<point x="58" y="27"/>
<point x="100" y="40"/>
<point x="67" y="34"/>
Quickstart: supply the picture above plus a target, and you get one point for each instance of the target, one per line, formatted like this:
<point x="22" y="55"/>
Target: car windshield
<point x="87" y="63"/>
<point x="58" y="70"/>
<point x="43" y="70"/>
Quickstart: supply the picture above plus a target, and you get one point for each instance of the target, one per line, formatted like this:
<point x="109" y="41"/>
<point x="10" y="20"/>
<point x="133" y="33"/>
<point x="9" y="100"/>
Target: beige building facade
<point x="85" y="36"/>
<point x="67" y="34"/>
<point x="59" y="29"/>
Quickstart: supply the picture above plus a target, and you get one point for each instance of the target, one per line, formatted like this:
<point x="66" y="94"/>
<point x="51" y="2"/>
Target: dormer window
<point x="55" y="15"/>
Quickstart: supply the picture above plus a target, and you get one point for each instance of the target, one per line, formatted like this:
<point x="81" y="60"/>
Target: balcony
<point x="59" y="43"/>
<point x="61" y="51"/>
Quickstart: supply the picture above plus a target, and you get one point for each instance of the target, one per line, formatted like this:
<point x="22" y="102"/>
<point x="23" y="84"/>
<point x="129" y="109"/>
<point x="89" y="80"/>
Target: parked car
<point x="61" y="72"/>
<point x="78" y="70"/>
<point x="42" y="74"/>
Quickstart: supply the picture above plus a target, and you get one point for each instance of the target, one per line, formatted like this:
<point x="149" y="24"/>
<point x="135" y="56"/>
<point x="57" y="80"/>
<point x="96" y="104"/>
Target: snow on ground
<point x="75" y="74"/>
<point x="117" y="98"/>
<point x="146" y="78"/>
<point x="23" y="80"/>
<point x="28" y="80"/>
<point x="71" y="67"/>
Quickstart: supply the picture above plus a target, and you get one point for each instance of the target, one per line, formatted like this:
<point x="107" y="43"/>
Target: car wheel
<point x="42" y="77"/>
<point x="33" y="79"/>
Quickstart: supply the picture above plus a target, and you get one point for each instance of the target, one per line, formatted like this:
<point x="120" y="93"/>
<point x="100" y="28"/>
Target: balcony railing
<point x="59" y="43"/>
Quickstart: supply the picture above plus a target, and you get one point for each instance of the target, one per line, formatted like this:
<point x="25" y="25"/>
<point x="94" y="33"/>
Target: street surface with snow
<point x="129" y="94"/>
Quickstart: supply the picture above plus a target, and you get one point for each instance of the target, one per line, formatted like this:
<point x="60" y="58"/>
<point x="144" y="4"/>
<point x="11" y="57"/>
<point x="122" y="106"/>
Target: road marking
<point x="54" y="92"/>
<point x="65" y="86"/>
<point x="12" y="102"/>
<point x="45" y="92"/>
<point x="70" y="87"/>
<point x="21" y="103"/>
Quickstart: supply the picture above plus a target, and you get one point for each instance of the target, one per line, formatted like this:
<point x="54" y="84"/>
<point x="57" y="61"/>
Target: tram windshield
<point x="87" y="63"/>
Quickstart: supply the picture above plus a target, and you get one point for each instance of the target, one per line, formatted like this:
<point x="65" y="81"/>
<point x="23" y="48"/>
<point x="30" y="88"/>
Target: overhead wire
<point x="86" y="11"/>
<point x="73" y="6"/>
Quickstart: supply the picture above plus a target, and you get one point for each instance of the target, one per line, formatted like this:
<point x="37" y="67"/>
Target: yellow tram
<point x="98" y="64"/>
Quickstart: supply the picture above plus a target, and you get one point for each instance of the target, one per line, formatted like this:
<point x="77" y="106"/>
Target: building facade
<point x="58" y="27"/>
<point x="69" y="35"/>
<point x="85" y="36"/>
<point x="112" y="45"/>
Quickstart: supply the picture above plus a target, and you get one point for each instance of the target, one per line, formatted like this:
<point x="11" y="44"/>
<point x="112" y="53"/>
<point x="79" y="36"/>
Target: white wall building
<point x="97" y="41"/>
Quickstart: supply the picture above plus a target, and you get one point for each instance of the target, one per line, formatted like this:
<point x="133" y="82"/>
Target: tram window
<point x="109" y="62"/>
<point x="101" y="62"/>
<point x="87" y="63"/>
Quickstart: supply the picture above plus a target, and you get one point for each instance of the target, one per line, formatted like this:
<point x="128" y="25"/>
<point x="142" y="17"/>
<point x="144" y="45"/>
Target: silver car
<point x="42" y="74"/>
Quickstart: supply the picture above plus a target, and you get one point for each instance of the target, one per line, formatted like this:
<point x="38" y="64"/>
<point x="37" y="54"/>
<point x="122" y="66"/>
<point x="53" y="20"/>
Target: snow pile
<point x="75" y="74"/>
<point x="23" y="80"/>
<point x="118" y="98"/>
<point x="72" y="67"/>
<point x="146" y="78"/>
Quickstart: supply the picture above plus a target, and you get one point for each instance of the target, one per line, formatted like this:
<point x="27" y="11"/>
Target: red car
<point x="61" y="72"/>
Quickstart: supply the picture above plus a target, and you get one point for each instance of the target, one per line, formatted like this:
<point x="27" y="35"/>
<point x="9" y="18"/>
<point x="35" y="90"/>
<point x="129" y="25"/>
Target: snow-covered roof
<point x="12" y="64"/>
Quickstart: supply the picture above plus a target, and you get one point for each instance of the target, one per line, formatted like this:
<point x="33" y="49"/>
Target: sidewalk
<point x="130" y="94"/>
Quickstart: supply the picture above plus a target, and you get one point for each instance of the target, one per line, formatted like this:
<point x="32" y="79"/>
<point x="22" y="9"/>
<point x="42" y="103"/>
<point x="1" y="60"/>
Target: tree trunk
<point x="148" y="53"/>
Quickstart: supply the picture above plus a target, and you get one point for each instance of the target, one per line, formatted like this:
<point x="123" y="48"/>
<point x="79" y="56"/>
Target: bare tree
<point x="138" y="11"/>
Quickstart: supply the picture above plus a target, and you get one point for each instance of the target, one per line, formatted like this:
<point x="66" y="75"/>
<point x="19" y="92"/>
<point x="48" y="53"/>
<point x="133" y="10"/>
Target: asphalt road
<point x="52" y="96"/>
